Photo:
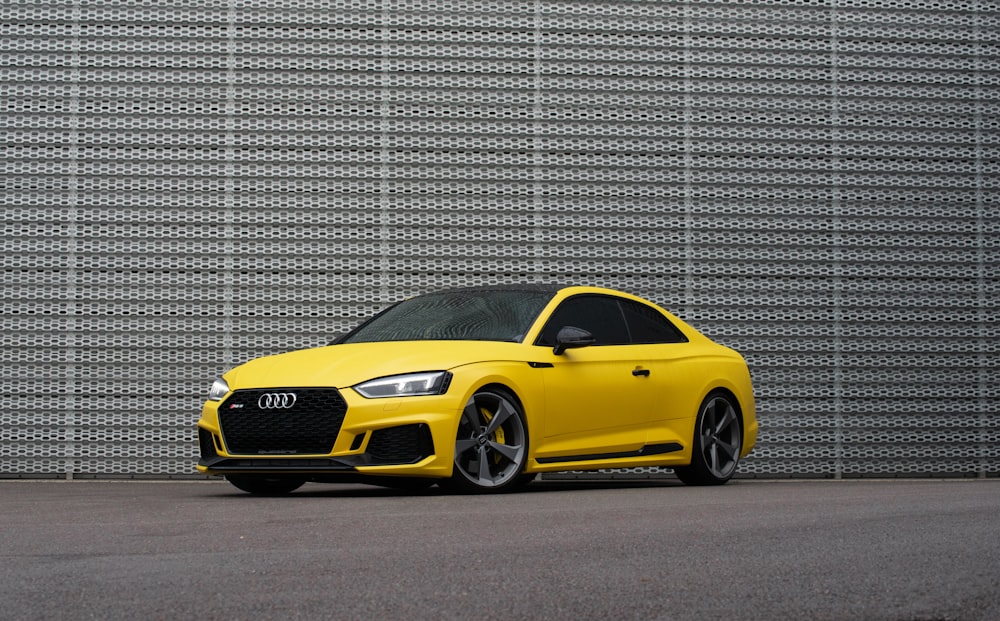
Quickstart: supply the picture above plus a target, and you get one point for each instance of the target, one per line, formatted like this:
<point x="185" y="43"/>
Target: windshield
<point x="456" y="316"/>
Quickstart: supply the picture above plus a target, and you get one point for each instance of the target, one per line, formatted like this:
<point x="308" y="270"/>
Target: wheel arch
<point x="744" y="403"/>
<point x="733" y="398"/>
<point x="518" y="379"/>
<point x="512" y="393"/>
<point x="731" y="374"/>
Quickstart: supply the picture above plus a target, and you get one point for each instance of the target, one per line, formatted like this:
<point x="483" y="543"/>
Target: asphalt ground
<point x="894" y="550"/>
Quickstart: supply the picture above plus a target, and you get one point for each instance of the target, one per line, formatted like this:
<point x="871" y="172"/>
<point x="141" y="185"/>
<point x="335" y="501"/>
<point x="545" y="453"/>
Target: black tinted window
<point x="647" y="325"/>
<point x="597" y="314"/>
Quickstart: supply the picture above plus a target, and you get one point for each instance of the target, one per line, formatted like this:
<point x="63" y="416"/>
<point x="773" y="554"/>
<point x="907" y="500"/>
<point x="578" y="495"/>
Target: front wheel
<point x="265" y="485"/>
<point x="718" y="438"/>
<point x="491" y="447"/>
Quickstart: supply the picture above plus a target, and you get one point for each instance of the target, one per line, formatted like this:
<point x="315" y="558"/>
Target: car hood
<point x="348" y="364"/>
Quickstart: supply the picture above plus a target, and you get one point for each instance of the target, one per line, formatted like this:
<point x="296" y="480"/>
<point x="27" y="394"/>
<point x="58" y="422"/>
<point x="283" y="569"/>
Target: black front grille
<point x="407" y="444"/>
<point x="309" y="426"/>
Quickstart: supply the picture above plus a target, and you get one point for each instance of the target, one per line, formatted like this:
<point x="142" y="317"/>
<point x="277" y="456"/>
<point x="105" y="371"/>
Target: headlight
<point x="219" y="390"/>
<point x="409" y="385"/>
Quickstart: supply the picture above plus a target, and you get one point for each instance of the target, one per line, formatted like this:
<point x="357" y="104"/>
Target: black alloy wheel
<point x="491" y="447"/>
<point x="718" y="438"/>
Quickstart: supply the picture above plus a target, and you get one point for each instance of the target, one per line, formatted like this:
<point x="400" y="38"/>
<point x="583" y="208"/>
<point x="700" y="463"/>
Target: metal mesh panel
<point x="815" y="184"/>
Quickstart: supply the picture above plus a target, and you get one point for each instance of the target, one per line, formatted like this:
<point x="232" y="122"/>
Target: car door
<point x="598" y="398"/>
<point x="672" y="366"/>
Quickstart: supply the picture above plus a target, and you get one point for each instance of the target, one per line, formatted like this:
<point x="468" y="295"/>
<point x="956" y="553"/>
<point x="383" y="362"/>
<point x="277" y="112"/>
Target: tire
<point x="718" y="439"/>
<point x="265" y="485"/>
<point x="491" y="447"/>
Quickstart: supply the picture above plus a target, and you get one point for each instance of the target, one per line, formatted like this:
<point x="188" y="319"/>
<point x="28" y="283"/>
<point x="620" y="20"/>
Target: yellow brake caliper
<point x="497" y="433"/>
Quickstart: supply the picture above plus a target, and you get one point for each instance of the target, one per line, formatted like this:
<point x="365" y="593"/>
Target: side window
<point x="647" y="325"/>
<point x="597" y="314"/>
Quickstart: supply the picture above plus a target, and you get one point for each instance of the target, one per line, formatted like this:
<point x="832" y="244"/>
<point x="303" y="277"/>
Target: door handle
<point x="640" y="372"/>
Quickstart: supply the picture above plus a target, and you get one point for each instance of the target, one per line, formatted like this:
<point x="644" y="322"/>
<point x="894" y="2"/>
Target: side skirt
<point x="646" y="451"/>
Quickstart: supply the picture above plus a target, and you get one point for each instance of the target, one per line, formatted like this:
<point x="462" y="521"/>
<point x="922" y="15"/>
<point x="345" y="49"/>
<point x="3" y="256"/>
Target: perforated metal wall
<point x="189" y="185"/>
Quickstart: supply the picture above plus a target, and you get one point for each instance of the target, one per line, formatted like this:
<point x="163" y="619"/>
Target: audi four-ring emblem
<point x="276" y="400"/>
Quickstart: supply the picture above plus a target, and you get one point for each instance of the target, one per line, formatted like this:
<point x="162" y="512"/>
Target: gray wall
<point x="813" y="183"/>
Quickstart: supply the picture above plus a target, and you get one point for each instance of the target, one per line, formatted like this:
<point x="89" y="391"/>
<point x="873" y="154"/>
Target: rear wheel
<point x="265" y="485"/>
<point x="491" y="447"/>
<point x="718" y="438"/>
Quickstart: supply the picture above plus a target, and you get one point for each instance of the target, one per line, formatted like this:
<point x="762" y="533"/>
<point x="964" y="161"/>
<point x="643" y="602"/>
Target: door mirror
<point x="569" y="337"/>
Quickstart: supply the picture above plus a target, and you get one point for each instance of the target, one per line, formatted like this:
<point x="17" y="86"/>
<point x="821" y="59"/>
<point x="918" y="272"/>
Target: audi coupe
<point x="479" y="390"/>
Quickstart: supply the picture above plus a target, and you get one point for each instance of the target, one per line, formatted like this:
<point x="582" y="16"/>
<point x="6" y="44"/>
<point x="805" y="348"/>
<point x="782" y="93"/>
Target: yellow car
<point x="480" y="389"/>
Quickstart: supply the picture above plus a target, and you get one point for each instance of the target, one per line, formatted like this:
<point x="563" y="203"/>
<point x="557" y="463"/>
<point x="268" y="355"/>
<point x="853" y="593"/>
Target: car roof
<point x="530" y="287"/>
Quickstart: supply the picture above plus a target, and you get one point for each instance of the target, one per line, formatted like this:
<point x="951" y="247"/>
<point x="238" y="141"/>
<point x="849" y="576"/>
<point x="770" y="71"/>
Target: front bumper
<point x="328" y="432"/>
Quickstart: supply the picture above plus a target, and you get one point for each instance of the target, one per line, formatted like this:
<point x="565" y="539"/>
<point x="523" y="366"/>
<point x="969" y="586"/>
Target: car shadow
<point x="363" y="490"/>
